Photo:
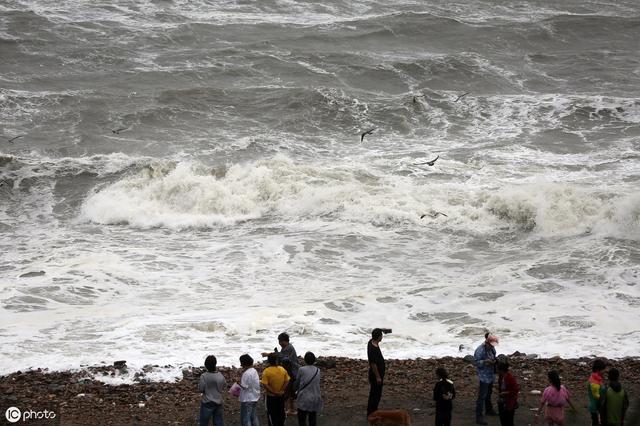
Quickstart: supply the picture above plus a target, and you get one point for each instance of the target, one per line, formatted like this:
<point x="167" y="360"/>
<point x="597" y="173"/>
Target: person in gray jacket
<point x="212" y="384"/>
<point x="307" y="388"/>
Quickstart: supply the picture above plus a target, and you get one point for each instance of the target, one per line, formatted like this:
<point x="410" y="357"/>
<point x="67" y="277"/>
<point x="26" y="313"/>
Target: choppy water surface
<point x="239" y="201"/>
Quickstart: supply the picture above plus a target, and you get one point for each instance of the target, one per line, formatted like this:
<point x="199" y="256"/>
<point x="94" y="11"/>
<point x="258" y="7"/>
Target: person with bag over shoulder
<point x="307" y="389"/>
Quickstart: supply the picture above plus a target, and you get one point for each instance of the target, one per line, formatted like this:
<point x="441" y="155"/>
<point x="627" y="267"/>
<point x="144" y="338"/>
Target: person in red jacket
<point x="508" y="389"/>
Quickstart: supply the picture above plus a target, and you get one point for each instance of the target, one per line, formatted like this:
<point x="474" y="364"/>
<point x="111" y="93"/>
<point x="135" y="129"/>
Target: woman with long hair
<point x="553" y="400"/>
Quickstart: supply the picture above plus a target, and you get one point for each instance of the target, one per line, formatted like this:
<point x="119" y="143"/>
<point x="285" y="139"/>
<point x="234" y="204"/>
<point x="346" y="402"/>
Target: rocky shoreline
<point x="81" y="397"/>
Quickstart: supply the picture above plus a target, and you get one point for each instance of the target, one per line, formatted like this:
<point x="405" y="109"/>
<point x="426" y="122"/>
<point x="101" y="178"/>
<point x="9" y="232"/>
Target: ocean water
<point x="239" y="200"/>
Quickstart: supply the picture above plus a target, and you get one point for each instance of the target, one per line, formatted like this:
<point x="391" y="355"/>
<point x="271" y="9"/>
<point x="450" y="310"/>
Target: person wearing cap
<point x="485" y="361"/>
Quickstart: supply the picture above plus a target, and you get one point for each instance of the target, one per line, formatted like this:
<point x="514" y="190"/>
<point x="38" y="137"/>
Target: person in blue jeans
<point x="212" y="384"/>
<point x="485" y="361"/>
<point x="250" y="393"/>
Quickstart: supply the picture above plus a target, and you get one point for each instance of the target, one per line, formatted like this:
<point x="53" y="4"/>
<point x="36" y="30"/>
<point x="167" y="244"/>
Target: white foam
<point x="188" y="195"/>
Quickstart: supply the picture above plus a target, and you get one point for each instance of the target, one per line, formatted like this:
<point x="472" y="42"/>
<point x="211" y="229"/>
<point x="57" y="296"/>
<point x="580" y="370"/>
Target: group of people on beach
<point x="284" y="381"/>
<point x="607" y="404"/>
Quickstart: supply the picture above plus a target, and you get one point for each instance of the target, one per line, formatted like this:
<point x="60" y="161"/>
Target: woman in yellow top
<point x="275" y="380"/>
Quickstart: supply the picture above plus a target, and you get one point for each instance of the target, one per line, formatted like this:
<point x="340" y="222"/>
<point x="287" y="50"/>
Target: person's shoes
<point x="481" y="421"/>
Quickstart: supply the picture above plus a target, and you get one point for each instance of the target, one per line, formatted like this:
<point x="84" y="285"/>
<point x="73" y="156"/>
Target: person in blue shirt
<point x="485" y="361"/>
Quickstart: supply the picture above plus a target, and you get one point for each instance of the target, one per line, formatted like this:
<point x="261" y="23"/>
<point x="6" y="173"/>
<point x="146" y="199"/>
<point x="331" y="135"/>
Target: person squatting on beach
<point x="485" y="360"/>
<point x="595" y="385"/>
<point x="443" y="394"/>
<point x="614" y="401"/>
<point x="211" y="384"/>
<point x="275" y="380"/>
<point x="508" y="390"/>
<point x="553" y="400"/>
<point x="307" y="390"/>
<point x="249" y="393"/>
<point x="376" y="370"/>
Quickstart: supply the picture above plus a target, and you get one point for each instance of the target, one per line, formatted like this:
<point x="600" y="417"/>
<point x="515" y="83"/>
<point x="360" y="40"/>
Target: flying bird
<point x="433" y="216"/>
<point x="368" y="132"/>
<point x="118" y="130"/>
<point x="15" y="137"/>
<point x="461" y="96"/>
<point x="428" y="163"/>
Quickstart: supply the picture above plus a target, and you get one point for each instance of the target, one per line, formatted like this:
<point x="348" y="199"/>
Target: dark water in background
<point x="240" y="202"/>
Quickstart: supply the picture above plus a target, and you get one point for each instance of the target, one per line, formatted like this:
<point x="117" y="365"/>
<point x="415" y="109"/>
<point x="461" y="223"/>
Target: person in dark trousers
<point x="275" y="380"/>
<point x="595" y="386"/>
<point x="443" y="395"/>
<point x="307" y="388"/>
<point x="614" y="401"/>
<point x="211" y="385"/>
<point x="485" y="361"/>
<point x="376" y="370"/>
<point x="508" y="389"/>
<point x="288" y="359"/>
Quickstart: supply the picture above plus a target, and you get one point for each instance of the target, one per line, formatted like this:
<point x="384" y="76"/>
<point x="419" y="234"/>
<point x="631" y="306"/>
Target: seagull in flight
<point x="461" y="96"/>
<point x="368" y="132"/>
<point x="428" y="163"/>
<point x="118" y="130"/>
<point x="14" y="138"/>
<point x="433" y="216"/>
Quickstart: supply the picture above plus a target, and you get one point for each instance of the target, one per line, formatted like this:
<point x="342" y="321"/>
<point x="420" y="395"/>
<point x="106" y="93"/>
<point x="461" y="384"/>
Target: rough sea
<point x="190" y="178"/>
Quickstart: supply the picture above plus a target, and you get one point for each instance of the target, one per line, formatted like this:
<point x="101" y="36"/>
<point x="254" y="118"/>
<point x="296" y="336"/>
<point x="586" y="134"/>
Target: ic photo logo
<point x="13" y="414"/>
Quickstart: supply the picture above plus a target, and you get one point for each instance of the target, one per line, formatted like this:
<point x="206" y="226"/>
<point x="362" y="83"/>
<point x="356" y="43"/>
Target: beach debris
<point x="120" y="365"/>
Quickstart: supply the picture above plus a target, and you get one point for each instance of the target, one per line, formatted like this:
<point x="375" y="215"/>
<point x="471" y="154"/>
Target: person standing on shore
<point x="508" y="390"/>
<point x="553" y="400"/>
<point x="614" y="401"/>
<point x="288" y="359"/>
<point x="212" y="384"/>
<point x="443" y="395"/>
<point x="595" y="385"/>
<point x="275" y="380"/>
<point x="307" y="388"/>
<point x="376" y="370"/>
<point x="485" y="360"/>
<point x="250" y="392"/>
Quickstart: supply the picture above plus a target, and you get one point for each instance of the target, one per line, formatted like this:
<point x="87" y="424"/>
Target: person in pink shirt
<point x="553" y="400"/>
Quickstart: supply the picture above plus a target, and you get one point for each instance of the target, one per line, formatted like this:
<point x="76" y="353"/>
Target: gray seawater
<point x="239" y="201"/>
